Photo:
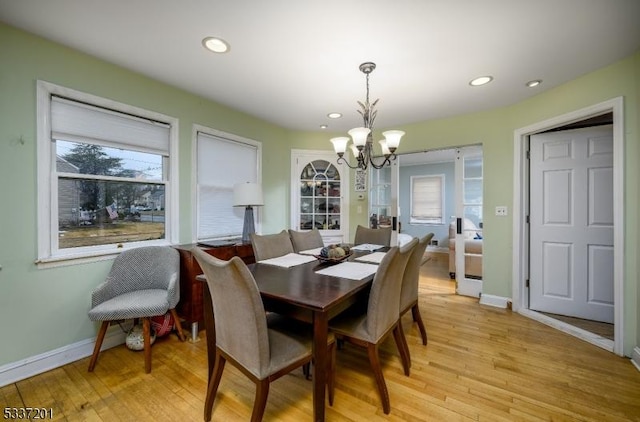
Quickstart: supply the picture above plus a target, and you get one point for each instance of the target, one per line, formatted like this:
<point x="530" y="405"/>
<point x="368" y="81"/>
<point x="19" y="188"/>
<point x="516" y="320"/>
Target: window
<point x="222" y="160"/>
<point x="103" y="175"/>
<point x="427" y="196"/>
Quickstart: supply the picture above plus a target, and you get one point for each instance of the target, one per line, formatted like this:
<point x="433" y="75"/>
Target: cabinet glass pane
<point x="320" y="200"/>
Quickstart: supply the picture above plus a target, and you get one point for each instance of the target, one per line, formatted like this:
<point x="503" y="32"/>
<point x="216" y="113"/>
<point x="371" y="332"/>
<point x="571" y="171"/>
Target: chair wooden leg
<point x="306" y="371"/>
<point x="174" y="314"/>
<point x="260" y="403"/>
<point x="212" y="388"/>
<point x="403" y="347"/>
<point x="146" y="333"/>
<point x="374" y="360"/>
<point x="98" y="345"/>
<point x="331" y="376"/>
<point x="415" y="312"/>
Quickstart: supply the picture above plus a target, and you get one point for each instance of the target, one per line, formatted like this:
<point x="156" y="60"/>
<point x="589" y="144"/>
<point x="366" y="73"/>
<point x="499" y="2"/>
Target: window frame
<point x="414" y="220"/>
<point x="49" y="255"/>
<point x="195" y="218"/>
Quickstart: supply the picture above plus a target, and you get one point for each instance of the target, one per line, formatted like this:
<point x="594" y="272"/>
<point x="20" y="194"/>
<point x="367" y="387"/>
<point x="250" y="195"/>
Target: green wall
<point x="45" y="309"/>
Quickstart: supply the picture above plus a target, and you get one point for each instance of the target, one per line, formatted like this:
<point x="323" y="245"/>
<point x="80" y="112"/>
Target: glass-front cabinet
<point x="318" y="196"/>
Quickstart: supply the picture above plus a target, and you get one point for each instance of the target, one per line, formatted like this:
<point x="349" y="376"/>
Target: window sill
<point x="86" y="257"/>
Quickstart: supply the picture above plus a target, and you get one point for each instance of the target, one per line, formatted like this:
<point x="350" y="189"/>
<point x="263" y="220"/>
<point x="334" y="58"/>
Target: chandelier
<point x="362" y="146"/>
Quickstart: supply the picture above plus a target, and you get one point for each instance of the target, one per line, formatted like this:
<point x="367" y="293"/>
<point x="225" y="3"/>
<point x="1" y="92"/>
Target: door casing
<point x="520" y="264"/>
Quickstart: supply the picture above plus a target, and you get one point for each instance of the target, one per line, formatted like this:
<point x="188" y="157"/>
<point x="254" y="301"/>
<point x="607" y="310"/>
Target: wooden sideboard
<point x="190" y="307"/>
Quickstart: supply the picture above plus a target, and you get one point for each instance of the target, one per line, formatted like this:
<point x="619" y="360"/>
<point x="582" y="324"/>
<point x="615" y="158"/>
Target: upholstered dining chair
<point x="242" y="335"/>
<point x="305" y="240"/>
<point x="381" y="236"/>
<point x="271" y="245"/>
<point x="382" y="316"/>
<point x="410" y="280"/>
<point x="142" y="283"/>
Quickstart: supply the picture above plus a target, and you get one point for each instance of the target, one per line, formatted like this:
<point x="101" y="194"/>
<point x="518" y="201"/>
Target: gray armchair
<point x="243" y="336"/>
<point x="142" y="283"/>
<point x="382" y="316"/>
<point x="271" y="245"/>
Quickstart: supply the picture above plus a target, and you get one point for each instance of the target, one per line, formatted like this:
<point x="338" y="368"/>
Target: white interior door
<point x="468" y="214"/>
<point x="571" y="223"/>
<point x="383" y="195"/>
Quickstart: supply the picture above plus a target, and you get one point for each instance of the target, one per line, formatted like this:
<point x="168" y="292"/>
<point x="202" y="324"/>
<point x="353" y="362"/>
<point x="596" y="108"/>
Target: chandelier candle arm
<point x="362" y="146"/>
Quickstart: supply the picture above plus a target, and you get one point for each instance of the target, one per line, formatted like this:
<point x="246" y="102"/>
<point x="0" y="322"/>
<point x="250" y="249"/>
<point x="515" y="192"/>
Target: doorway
<point x="433" y="188"/>
<point x="527" y="237"/>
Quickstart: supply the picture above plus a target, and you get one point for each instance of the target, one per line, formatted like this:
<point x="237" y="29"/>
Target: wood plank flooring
<point x="481" y="364"/>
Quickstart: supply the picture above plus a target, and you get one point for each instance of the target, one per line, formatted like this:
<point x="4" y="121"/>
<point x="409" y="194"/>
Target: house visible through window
<point x="222" y="161"/>
<point x="108" y="184"/>
<point x="427" y="196"/>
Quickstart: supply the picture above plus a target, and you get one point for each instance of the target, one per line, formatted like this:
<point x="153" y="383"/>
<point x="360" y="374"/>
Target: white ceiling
<point x="291" y="61"/>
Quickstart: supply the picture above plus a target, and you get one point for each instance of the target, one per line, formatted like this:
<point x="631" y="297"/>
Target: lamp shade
<point x="359" y="135"/>
<point x="340" y="144"/>
<point x="393" y="138"/>
<point x="247" y="194"/>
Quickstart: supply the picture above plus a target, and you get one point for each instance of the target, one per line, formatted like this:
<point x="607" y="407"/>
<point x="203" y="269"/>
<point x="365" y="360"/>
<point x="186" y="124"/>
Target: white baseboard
<point x="495" y="301"/>
<point x="635" y="357"/>
<point x="17" y="371"/>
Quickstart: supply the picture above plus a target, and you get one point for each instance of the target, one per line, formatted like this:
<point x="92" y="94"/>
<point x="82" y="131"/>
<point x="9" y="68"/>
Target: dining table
<point x="302" y="293"/>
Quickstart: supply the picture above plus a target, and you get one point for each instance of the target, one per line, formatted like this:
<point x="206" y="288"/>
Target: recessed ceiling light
<point x="217" y="45"/>
<point x="482" y="80"/>
<point x="334" y="115"/>
<point x="323" y="126"/>
<point x="536" y="82"/>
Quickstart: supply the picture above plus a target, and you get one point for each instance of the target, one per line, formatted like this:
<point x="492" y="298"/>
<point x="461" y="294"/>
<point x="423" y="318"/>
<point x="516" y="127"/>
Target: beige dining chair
<point x="242" y="335"/>
<point x="382" y="317"/>
<point x="305" y="240"/>
<point x="380" y="236"/>
<point x="410" y="282"/>
<point x="271" y="245"/>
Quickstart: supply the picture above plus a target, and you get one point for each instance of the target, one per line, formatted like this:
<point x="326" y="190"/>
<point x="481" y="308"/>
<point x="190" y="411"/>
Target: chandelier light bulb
<point x="340" y="144"/>
<point x="385" y="147"/>
<point x="354" y="151"/>
<point x="393" y="138"/>
<point x="359" y="136"/>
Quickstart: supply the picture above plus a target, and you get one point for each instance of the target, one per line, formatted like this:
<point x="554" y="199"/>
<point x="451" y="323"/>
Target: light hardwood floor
<point x="481" y="364"/>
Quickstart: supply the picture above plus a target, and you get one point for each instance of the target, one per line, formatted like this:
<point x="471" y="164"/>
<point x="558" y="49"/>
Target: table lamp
<point x="247" y="195"/>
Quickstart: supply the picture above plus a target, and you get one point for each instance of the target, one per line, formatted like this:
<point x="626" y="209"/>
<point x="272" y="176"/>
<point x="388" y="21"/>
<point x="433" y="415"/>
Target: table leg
<point x="320" y="355"/>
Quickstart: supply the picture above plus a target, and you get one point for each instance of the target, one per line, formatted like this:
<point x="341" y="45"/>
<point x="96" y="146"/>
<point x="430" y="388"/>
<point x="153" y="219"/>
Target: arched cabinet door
<point x="320" y="195"/>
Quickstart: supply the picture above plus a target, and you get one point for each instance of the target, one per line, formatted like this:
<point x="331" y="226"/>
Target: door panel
<point x="571" y="223"/>
<point x="469" y="197"/>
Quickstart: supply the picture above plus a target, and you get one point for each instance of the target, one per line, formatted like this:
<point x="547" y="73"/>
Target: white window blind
<point x="426" y="199"/>
<point x="222" y="163"/>
<point x="75" y="121"/>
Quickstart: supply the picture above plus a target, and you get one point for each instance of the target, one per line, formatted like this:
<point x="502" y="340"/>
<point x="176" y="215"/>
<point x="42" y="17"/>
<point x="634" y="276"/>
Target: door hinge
<point x="528" y="155"/>
<point x="527" y="219"/>
<point x="526" y="283"/>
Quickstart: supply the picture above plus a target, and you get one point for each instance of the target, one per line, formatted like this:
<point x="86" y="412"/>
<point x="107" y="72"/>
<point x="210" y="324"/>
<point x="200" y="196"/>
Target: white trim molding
<point x="34" y="365"/>
<point x="520" y="254"/>
<point x="495" y="301"/>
